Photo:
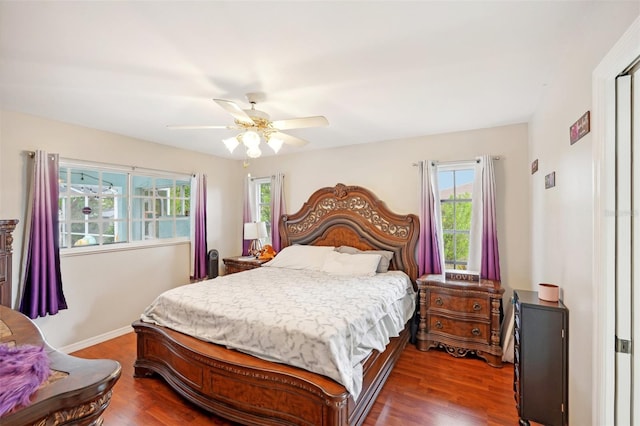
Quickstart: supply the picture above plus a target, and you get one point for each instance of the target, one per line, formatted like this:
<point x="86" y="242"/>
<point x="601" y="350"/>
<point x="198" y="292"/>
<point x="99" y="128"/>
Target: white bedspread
<point x="323" y="323"/>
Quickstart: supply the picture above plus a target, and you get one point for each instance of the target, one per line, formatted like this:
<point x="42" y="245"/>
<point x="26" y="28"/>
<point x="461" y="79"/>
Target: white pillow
<point x="300" y="257"/>
<point x="351" y="264"/>
<point x="385" y="256"/>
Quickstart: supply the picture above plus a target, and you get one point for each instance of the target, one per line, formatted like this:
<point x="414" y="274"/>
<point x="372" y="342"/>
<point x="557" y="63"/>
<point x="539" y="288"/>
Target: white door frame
<point x="625" y="51"/>
<point x="624" y="251"/>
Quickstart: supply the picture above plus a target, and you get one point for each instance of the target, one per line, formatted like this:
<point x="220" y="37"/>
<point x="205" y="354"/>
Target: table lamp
<point x="255" y="231"/>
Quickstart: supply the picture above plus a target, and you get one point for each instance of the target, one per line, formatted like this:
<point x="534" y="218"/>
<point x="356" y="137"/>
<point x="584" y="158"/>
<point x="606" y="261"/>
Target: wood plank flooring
<point x="424" y="389"/>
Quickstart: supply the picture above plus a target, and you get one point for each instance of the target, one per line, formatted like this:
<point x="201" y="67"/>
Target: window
<point x="101" y="206"/>
<point x="262" y="212"/>
<point x="455" y="186"/>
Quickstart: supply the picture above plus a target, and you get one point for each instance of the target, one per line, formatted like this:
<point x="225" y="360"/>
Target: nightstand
<point x="460" y="316"/>
<point x="241" y="263"/>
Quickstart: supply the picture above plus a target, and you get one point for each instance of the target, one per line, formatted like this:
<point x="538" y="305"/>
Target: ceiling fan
<point x="255" y="125"/>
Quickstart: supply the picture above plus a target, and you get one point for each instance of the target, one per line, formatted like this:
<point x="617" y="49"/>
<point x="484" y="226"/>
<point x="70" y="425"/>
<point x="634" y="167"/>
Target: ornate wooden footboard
<point x="249" y="390"/>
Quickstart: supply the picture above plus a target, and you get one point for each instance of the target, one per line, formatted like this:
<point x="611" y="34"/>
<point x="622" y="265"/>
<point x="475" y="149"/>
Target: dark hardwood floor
<point x="424" y="389"/>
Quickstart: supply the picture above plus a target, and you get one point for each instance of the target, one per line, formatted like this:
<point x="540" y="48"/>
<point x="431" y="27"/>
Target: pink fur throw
<point x="22" y="371"/>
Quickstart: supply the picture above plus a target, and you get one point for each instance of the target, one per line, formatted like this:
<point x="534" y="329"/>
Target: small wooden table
<point x="241" y="263"/>
<point x="460" y="316"/>
<point x="76" y="393"/>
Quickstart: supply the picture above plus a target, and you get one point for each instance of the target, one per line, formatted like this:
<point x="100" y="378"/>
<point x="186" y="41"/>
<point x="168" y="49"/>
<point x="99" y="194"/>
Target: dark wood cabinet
<point x="460" y="316"/>
<point x="541" y="353"/>
<point x="241" y="263"/>
<point x="6" y="240"/>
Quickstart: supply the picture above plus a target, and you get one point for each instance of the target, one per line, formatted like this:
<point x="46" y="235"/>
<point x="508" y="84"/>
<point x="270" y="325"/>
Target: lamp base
<point x="255" y="248"/>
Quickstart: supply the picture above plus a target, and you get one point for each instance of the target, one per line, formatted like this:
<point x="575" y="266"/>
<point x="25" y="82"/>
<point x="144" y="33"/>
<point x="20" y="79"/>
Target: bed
<point x="252" y="390"/>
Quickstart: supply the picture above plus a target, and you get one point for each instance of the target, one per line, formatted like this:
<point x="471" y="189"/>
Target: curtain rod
<point x="261" y="177"/>
<point x="115" y="166"/>
<point x="477" y="160"/>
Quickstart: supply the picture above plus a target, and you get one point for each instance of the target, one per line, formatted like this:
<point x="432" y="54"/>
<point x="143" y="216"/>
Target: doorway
<point x="616" y="153"/>
<point x="627" y="222"/>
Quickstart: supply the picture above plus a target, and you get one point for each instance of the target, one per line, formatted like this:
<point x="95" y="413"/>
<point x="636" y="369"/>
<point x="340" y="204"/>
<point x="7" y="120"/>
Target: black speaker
<point x="212" y="264"/>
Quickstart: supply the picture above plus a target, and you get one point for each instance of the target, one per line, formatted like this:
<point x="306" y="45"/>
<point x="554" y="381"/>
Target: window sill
<point x="141" y="245"/>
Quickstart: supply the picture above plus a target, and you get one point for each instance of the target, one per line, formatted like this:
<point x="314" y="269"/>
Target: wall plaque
<point x="580" y="128"/>
<point x="462" y="276"/>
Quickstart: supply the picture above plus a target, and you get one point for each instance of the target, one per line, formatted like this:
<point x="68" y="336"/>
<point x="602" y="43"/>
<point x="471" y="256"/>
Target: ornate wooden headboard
<point x="353" y="216"/>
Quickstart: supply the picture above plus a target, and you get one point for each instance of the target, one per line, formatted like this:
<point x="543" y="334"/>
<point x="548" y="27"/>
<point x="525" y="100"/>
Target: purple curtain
<point x="41" y="277"/>
<point x="199" y="229"/>
<point x="246" y="215"/>
<point x="429" y="259"/>
<point x="277" y="208"/>
<point x="490" y="264"/>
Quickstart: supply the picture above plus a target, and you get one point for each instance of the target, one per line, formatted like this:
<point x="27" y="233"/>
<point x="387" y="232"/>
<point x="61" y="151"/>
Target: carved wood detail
<point x="84" y="414"/>
<point x="6" y="259"/>
<point x="352" y="215"/>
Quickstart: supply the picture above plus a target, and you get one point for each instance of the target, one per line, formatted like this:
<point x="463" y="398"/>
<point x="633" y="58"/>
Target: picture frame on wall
<point x="534" y="166"/>
<point x="550" y="180"/>
<point x="581" y="127"/>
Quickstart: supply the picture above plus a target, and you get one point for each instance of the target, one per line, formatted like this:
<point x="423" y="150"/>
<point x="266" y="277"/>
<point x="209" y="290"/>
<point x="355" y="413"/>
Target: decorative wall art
<point x="580" y="128"/>
<point x="550" y="180"/>
<point x="534" y="166"/>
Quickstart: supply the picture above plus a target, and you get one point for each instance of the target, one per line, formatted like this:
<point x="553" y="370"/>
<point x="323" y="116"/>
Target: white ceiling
<point x="377" y="70"/>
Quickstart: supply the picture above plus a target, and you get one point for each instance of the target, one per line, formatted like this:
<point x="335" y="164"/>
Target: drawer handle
<point x="439" y="301"/>
<point x="438" y="325"/>
<point x="475" y="331"/>
<point x="477" y="306"/>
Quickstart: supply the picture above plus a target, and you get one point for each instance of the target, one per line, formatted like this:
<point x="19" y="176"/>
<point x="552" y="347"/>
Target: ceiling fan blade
<point x="290" y="140"/>
<point x="299" y="123"/>
<point x="180" y="127"/>
<point x="233" y="109"/>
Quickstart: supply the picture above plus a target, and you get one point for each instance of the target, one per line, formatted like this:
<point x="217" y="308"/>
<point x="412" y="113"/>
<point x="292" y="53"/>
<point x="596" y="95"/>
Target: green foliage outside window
<point x="265" y="202"/>
<point x="263" y="189"/>
<point x="456" y="223"/>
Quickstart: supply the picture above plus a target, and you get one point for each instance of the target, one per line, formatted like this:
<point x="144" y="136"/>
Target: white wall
<point x="562" y="217"/>
<point x="107" y="291"/>
<point x="386" y="169"/>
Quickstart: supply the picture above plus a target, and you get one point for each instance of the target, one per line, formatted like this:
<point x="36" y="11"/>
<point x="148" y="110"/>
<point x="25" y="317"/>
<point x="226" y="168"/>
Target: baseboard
<point x="95" y="340"/>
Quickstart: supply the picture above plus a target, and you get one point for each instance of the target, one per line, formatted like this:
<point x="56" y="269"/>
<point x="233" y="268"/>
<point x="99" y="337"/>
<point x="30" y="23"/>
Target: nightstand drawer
<point x="469" y="305"/>
<point x="467" y="330"/>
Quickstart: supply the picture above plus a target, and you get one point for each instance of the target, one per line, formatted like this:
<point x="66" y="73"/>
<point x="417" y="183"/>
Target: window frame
<point x="258" y="205"/>
<point x="127" y="196"/>
<point x="455" y="201"/>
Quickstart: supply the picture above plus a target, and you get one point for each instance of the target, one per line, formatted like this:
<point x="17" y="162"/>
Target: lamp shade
<point x="254" y="152"/>
<point x="251" y="139"/>
<point x="275" y="144"/>
<point x="262" y="229"/>
<point x="255" y="230"/>
<point x="231" y="143"/>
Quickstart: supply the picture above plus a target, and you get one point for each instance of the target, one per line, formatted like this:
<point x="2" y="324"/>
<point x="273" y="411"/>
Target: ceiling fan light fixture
<point x="255" y="126"/>
<point x="231" y="143"/>
<point x="275" y="143"/>
<point x="251" y="139"/>
<point x="254" y="152"/>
